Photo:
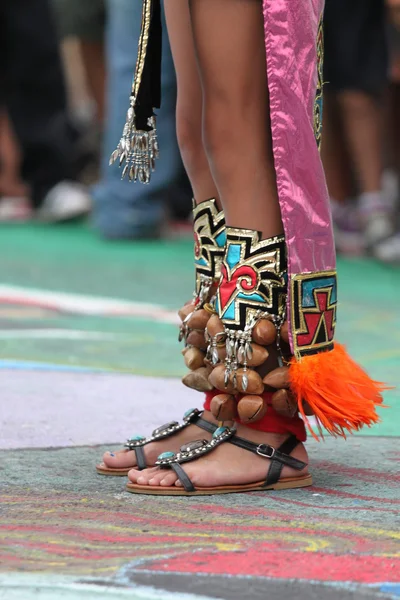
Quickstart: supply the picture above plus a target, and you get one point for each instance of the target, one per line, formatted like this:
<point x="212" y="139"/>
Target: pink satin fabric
<point x="291" y="29"/>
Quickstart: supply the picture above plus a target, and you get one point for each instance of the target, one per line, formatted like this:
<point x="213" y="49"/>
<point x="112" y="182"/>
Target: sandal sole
<point x="290" y="483"/>
<point x="113" y="472"/>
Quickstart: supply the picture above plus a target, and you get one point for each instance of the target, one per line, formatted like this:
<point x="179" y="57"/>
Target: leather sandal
<point x="137" y="443"/>
<point x="278" y="459"/>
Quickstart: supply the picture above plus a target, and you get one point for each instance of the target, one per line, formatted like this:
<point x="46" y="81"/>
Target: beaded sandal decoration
<point x="136" y="443"/>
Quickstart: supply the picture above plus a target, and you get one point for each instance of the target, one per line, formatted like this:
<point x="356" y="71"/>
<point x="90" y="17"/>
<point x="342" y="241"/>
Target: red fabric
<point x="272" y="422"/>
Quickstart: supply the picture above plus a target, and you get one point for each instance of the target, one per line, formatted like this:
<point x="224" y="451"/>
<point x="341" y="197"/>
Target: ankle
<point x="261" y="437"/>
<point x="208" y="416"/>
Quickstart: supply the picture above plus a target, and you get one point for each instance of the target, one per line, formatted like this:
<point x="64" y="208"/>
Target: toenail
<point x="152" y="481"/>
<point x="111" y="454"/>
<point x="141" y="480"/>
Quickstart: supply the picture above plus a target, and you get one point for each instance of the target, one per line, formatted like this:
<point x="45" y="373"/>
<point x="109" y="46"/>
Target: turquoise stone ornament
<point x="166" y="455"/>
<point x="137" y="438"/>
<point x="219" y="431"/>
<point x="188" y="413"/>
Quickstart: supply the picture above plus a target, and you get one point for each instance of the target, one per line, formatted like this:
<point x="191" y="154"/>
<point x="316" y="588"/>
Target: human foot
<point x="230" y="466"/>
<point x="121" y="461"/>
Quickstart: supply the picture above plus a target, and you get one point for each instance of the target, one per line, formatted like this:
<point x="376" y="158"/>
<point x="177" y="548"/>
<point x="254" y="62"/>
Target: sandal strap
<point x="206" y="425"/>
<point x="191" y="417"/>
<point x="275" y="469"/>
<point x="140" y="458"/>
<point x="281" y="455"/>
<point x="139" y="450"/>
<point x="278" y="457"/>
<point x="183" y="477"/>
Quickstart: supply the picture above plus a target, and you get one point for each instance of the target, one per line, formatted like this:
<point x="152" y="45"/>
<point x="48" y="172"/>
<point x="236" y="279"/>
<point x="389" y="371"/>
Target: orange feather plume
<point x="341" y="394"/>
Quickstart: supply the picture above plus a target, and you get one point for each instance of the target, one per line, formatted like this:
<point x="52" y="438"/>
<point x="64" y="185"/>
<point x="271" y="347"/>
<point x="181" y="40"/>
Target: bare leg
<point x="93" y="59"/>
<point x="362" y="118"/>
<point x="393" y="121"/>
<point x="237" y="133"/>
<point x="11" y="183"/>
<point x="189" y="111"/>
<point x="334" y="152"/>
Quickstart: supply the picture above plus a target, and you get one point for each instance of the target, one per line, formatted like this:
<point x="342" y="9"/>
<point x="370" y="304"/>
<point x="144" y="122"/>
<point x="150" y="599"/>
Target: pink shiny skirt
<point x="294" y="50"/>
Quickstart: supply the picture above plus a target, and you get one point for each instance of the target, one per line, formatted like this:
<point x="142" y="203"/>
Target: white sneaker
<point x="66" y="200"/>
<point x="391" y="187"/>
<point x="377" y="218"/>
<point x="347" y="228"/>
<point x="389" y="250"/>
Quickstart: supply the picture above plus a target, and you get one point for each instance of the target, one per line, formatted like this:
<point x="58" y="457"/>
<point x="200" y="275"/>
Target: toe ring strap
<point x="140" y="458"/>
<point x="183" y="478"/>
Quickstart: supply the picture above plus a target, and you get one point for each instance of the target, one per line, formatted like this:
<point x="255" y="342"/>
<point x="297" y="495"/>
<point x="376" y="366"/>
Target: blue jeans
<point x="123" y="209"/>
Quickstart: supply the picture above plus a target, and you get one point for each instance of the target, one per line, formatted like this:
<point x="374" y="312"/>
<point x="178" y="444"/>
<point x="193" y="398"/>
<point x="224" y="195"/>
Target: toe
<point x="199" y="473"/>
<point x="141" y="477"/>
<point x="120" y="460"/>
<point x="157" y="478"/>
<point x="168" y="480"/>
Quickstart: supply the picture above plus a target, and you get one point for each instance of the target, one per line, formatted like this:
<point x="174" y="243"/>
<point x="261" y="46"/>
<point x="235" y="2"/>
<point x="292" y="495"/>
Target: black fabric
<point x="33" y="93"/>
<point x="84" y="19"/>
<point x="275" y="469"/>
<point x="183" y="478"/>
<point x="140" y="458"/>
<point x="356" y="54"/>
<point x="149" y="94"/>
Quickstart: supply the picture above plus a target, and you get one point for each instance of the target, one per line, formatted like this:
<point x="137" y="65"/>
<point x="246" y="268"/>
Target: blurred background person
<point x="14" y="202"/>
<point x="81" y="28"/>
<point x="122" y="209"/>
<point x="390" y="250"/>
<point x="84" y="21"/>
<point x="356" y="76"/>
<point x="32" y="95"/>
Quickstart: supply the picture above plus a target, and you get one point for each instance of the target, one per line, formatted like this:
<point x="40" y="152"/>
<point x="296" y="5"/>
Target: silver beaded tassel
<point x="202" y="296"/>
<point x="199" y="299"/>
<point x="212" y="349"/>
<point x="138" y="149"/>
<point x="239" y="349"/>
<point x="238" y="352"/>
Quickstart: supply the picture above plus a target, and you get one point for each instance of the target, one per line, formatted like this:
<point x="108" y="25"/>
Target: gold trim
<point x="319" y="95"/>
<point x="142" y="49"/>
<point x="255" y="236"/>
